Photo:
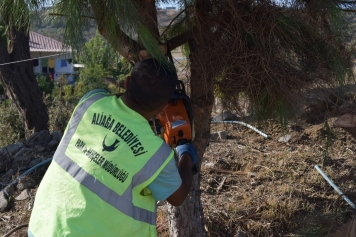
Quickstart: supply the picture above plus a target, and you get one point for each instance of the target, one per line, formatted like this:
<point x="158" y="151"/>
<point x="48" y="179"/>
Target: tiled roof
<point x="41" y="43"/>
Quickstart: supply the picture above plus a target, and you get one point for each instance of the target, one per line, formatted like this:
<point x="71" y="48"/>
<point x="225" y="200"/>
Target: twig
<point x="56" y="14"/>
<point x="230" y="172"/>
<point x="349" y="150"/>
<point x="170" y="23"/>
<point x="266" y="168"/>
<point x="221" y="184"/>
<point x="15" y="229"/>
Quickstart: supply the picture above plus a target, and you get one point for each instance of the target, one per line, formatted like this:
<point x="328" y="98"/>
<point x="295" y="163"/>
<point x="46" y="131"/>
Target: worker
<point x="110" y="169"/>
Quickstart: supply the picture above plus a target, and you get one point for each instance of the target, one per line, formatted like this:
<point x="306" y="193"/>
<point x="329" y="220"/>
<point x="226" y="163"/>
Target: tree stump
<point x="348" y="123"/>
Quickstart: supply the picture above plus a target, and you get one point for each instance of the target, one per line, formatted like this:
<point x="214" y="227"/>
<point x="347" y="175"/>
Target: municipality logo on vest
<point x="111" y="147"/>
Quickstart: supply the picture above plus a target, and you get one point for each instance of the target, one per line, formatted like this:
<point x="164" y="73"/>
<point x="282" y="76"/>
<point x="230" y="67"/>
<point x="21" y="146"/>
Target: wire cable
<point x="29" y="171"/>
<point x="32" y="59"/>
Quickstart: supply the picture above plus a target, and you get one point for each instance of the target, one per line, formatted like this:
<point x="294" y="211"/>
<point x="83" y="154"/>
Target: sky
<point x="164" y="5"/>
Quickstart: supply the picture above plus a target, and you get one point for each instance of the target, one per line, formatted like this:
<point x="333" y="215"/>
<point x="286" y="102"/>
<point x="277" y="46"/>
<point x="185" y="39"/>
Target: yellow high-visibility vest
<point x="96" y="183"/>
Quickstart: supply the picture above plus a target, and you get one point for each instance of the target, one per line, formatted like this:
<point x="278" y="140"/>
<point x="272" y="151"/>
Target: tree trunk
<point x="188" y="219"/>
<point x="20" y="83"/>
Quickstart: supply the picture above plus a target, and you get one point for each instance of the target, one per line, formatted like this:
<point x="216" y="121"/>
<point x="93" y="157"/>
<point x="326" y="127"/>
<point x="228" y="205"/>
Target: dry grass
<point x="285" y="196"/>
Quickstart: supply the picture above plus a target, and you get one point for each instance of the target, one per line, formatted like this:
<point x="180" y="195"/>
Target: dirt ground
<point x="257" y="186"/>
<point x="264" y="187"/>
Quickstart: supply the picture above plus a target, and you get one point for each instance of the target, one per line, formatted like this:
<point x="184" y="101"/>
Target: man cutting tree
<point x="110" y="168"/>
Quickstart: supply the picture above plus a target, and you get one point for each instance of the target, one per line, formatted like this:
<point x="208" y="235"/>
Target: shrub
<point x="59" y="113"/>
<point x="11" y="125"/>
<point x="46" y="85"/>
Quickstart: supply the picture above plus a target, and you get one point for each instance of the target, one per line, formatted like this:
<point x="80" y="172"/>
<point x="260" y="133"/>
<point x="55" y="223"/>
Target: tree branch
<point x="148" y="13"/>
<point x="126" y="46"/>
<point x="179" y="40"/>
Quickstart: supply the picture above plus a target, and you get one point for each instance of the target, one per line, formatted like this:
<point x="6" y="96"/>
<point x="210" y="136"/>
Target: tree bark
<point x="126" y="46"/>
<point x="188" y="219"/>
<point x="20" y="83"/>
<point x="148" y="12"/>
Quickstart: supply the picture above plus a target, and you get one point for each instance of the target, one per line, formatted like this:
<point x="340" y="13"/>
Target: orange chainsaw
<point x="175" y="123"/>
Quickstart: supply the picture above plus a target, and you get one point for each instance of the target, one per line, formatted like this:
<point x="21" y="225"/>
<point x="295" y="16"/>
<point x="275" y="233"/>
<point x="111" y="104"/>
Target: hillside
<point x="54" y="29"/>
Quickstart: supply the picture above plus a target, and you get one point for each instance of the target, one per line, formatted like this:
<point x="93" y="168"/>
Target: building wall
<point x="63" y="65"/>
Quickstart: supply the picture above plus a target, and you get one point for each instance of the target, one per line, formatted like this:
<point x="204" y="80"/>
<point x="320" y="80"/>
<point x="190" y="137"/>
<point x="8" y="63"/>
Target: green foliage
<point x="90" y="78"/>
<point x="46" y="85"/>
<point x="11" y="125"/>
<point x="3" y="39"/>
<point x="102" y="67"/>
<point x="59" y="113"/>
<point x="330" y="136"/>
<point x="68" y="93"/>
<point x="63" y="91"/>
<point x="98" y="52"/>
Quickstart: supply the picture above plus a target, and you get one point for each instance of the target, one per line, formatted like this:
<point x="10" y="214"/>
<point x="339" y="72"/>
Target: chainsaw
<point x="174" y="124"/>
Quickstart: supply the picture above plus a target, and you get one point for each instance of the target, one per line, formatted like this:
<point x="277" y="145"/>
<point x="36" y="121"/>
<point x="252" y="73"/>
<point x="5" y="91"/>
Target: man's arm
<point x="185" y="171"/>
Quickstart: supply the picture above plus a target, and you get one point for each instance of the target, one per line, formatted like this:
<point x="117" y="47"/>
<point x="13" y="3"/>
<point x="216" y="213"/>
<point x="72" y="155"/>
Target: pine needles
<point x="271" y="53"/>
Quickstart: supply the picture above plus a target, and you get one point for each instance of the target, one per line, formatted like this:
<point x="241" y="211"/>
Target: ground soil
<point x="260" y="186"/>
<point x="263" y="187"/>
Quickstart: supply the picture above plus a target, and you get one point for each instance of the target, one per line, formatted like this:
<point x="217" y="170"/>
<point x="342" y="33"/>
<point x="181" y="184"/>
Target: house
<point x="51" y="57"/>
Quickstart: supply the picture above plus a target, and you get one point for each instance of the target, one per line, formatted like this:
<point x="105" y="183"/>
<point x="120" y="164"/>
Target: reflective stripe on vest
<point x="121" y="203"/>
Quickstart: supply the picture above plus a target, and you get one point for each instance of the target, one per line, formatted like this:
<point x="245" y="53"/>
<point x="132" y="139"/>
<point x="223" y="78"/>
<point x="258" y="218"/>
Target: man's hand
<point x="189" y="149"/>
<point x="187" y="157"/>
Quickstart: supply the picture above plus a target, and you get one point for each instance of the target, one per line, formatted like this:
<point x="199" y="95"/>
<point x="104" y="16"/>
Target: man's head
<point x="150" y="85"/>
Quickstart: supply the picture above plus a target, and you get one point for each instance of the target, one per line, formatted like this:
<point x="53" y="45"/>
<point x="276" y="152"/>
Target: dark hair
<point x="151" y="84"/>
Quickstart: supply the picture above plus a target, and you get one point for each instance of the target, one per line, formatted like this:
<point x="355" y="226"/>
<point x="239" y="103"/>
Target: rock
<point x="39" y="139"/>
<point x="251" y="174"/>
<point x="285" y="138"/>
<point x="4" y="203"/>
<point x="222" y="135"/>
<point x="57" y="136"/>
<point x="40" y="148"/>
<point x="26" y="183"/>
<point x="20" y="162"/>
<point x="222" y="164"/>
<point x="34" y="162"/>
<point x="240" y="234"/>
<point x="23" y="195"/>
<point x="209" y="165"/>
<point x="161" y="203"/>
<point x="22" y="151"/>
<point x="9" y="172"/>
<point x="225" y="115"/>
<point x="12" y="149"/>
<point x="9" y="190"/>
<point x="52" y="145"/>
<point x="214" y="136"/>
<point x="211" y="181"/>
<point x="281" y="162"/>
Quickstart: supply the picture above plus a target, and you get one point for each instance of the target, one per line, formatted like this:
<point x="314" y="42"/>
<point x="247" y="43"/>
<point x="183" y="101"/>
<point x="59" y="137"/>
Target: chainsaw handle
<point x="182" y="142"/>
